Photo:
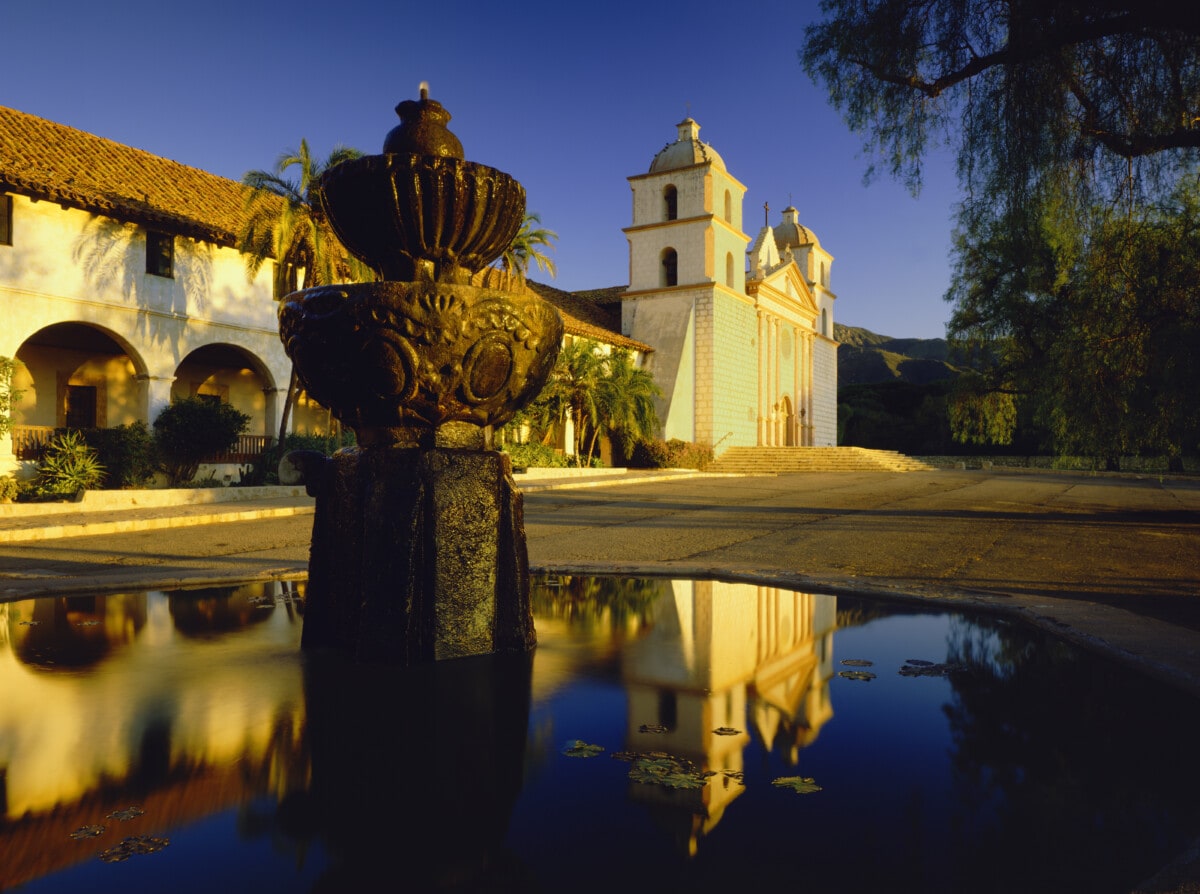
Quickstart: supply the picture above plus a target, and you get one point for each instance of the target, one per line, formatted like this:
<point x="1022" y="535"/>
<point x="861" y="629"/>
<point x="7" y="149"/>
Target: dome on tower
<point x="791" y="233"/>
<point x="687" y="150"/>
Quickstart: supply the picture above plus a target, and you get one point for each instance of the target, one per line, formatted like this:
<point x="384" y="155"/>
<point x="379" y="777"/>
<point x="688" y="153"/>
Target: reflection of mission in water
<point x="711" y="658"/>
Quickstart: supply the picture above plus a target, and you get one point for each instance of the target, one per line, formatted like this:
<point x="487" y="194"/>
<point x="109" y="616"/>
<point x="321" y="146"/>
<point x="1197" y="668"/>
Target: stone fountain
<point x="418" y="544"/>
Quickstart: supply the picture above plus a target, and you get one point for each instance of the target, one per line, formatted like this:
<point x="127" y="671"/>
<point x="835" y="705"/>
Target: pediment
<point x="786" y="284"/>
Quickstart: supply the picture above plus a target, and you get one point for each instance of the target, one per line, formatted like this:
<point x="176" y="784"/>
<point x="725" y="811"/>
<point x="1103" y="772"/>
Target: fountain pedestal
<point x="418" y="555"/>
<point x="418" y="546"/>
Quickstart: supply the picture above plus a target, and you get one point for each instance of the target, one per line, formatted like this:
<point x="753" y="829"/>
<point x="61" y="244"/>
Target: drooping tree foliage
<point x="1077" y="131"/>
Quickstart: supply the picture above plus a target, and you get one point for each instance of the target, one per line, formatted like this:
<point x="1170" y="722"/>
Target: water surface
<point x="185" y="733"/>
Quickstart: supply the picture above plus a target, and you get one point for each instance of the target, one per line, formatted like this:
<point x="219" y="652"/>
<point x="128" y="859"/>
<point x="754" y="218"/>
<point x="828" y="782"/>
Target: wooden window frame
<point x="160" y="254"/>
<point x="6" y="219"/>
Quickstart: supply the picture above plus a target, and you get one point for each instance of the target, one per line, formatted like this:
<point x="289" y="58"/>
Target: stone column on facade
<point x="797" y="433"/>
<point x="762" y="376"/>
<point x="272" y="407"/>
<point x="776" y="385"/>
<point x="154" y="395"/>
<point x="808" y="385"/>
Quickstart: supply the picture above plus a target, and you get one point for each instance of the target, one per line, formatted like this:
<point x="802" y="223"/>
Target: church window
<point x="670" y="203"/>
<point x="670" y="268"/>
<point x="160" y="253"/>
<point x="824" y="321"/>
<point x="728" y="207"/>
<point x="824" y="275"/>
<point x="729" y="269"/>
<point x="5" y="220"/>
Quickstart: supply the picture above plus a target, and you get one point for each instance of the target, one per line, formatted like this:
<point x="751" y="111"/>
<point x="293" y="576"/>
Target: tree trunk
<point x="287" y="408"/>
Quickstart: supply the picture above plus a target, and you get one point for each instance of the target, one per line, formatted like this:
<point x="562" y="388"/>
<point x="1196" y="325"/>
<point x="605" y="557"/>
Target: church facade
<point x="742" y="328"/>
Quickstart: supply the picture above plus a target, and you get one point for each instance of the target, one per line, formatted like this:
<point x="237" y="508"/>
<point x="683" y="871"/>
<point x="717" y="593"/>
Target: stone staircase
<point x="780" y="460"/>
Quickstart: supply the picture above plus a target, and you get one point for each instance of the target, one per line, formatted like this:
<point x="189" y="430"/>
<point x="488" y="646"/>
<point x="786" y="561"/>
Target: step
<point x="774" y="460"/>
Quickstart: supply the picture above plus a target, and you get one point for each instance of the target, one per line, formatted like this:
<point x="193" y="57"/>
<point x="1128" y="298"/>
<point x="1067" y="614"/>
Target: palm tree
<point x="573" y="388"/>
<point x="626" y="401"/>
<point x="285" y="223"/>
<point x="526" y="246"/>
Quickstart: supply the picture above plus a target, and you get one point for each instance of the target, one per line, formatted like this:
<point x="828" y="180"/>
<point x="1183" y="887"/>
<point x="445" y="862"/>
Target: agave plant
<point x="68" y="465"/>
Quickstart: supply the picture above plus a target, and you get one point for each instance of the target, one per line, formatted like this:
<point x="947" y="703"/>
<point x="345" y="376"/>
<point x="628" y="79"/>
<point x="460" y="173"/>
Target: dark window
<point x="670" y="268"/>
<point x="285" y="282"/>
<point x="668" y="709"/>
<point x="81" y="406"/>
<point x="670" y="203"/>
<point x="160" y="253"/>
<point x="6" y="220"/>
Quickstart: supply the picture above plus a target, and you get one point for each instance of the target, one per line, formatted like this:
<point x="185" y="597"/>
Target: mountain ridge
<point x="866" y="357"/>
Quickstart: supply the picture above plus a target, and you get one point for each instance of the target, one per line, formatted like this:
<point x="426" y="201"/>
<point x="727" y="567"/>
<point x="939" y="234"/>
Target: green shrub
<point x="672" y="454"/>
<point x="535" y="456"/>
<point x="9" y="489"/>
<point x="67" y="466"/>
<point x="127" y="452"/>
<point x="193" y="428"/>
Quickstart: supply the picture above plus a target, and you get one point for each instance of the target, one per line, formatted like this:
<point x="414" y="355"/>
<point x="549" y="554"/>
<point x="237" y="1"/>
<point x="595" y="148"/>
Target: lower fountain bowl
<point x="396" y="361"/>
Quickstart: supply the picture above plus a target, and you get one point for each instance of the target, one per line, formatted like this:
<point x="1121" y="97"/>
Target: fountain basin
<point x="396" y="361"/>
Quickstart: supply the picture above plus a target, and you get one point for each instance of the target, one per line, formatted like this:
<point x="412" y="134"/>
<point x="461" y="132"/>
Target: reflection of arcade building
<point x="87" y="717"/>
<point x="724" y="655"/>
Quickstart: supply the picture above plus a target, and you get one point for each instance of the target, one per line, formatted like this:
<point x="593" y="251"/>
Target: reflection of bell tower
<point x="725" y="655"/>
<point x="686" y="261"/>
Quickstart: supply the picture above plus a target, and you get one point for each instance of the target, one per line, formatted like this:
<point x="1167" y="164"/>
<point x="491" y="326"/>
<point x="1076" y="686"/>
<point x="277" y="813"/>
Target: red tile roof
<point x="56" y="163"/>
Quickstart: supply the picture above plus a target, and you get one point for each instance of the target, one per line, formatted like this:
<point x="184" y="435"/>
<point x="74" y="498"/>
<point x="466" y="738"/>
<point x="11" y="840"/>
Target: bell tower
<point x="687" y="260"/>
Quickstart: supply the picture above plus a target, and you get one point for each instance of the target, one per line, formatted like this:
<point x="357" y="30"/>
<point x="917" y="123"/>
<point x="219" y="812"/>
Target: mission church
<point x="123" y="289"/>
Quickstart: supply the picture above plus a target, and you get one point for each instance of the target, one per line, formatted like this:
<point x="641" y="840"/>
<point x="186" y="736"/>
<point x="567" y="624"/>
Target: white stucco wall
<point x="824" y="409"/>
<point x="69" y="266"/>
<point x="669" y="323"/>
<point x="733" y="393"/>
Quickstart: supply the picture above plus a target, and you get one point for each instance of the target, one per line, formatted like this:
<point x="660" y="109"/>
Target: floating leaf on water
<point x="736" y="775"/>
<point x="127" y="814"/>
<point x="87" y="832"/>
<point x="669" y="773"/>
<point x="135" y="844"/>
<point x="857" y="675"/>
<point x="919" y="662"/>
<point x="803" y="785"/>
<point x="652" y="728"/>
<point x="28" y="623"/>
<point x="857" y="662"/>
<point x="726" y="731"/>
<point x="579" y="748"/>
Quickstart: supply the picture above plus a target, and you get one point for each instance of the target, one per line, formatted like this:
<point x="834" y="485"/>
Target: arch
<point x="789" y="422"/>
<point x="77" y="375"/>
<point x="670" y="202"/>
<point x="728" y="207"/>
<point x="729" y="279"/>
<point x="824" y="275"/>
<point x="233" y="375"/>
<point x="824" y="321"/>
<point x="669" y="267"/>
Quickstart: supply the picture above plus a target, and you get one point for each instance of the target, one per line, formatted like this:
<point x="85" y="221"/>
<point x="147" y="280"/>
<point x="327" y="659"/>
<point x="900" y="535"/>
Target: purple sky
<point x="571" y="98"/>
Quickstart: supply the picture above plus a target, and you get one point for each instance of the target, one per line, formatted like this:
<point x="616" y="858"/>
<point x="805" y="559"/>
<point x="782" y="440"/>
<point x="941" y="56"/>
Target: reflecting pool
<point x="666" y="735"/>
